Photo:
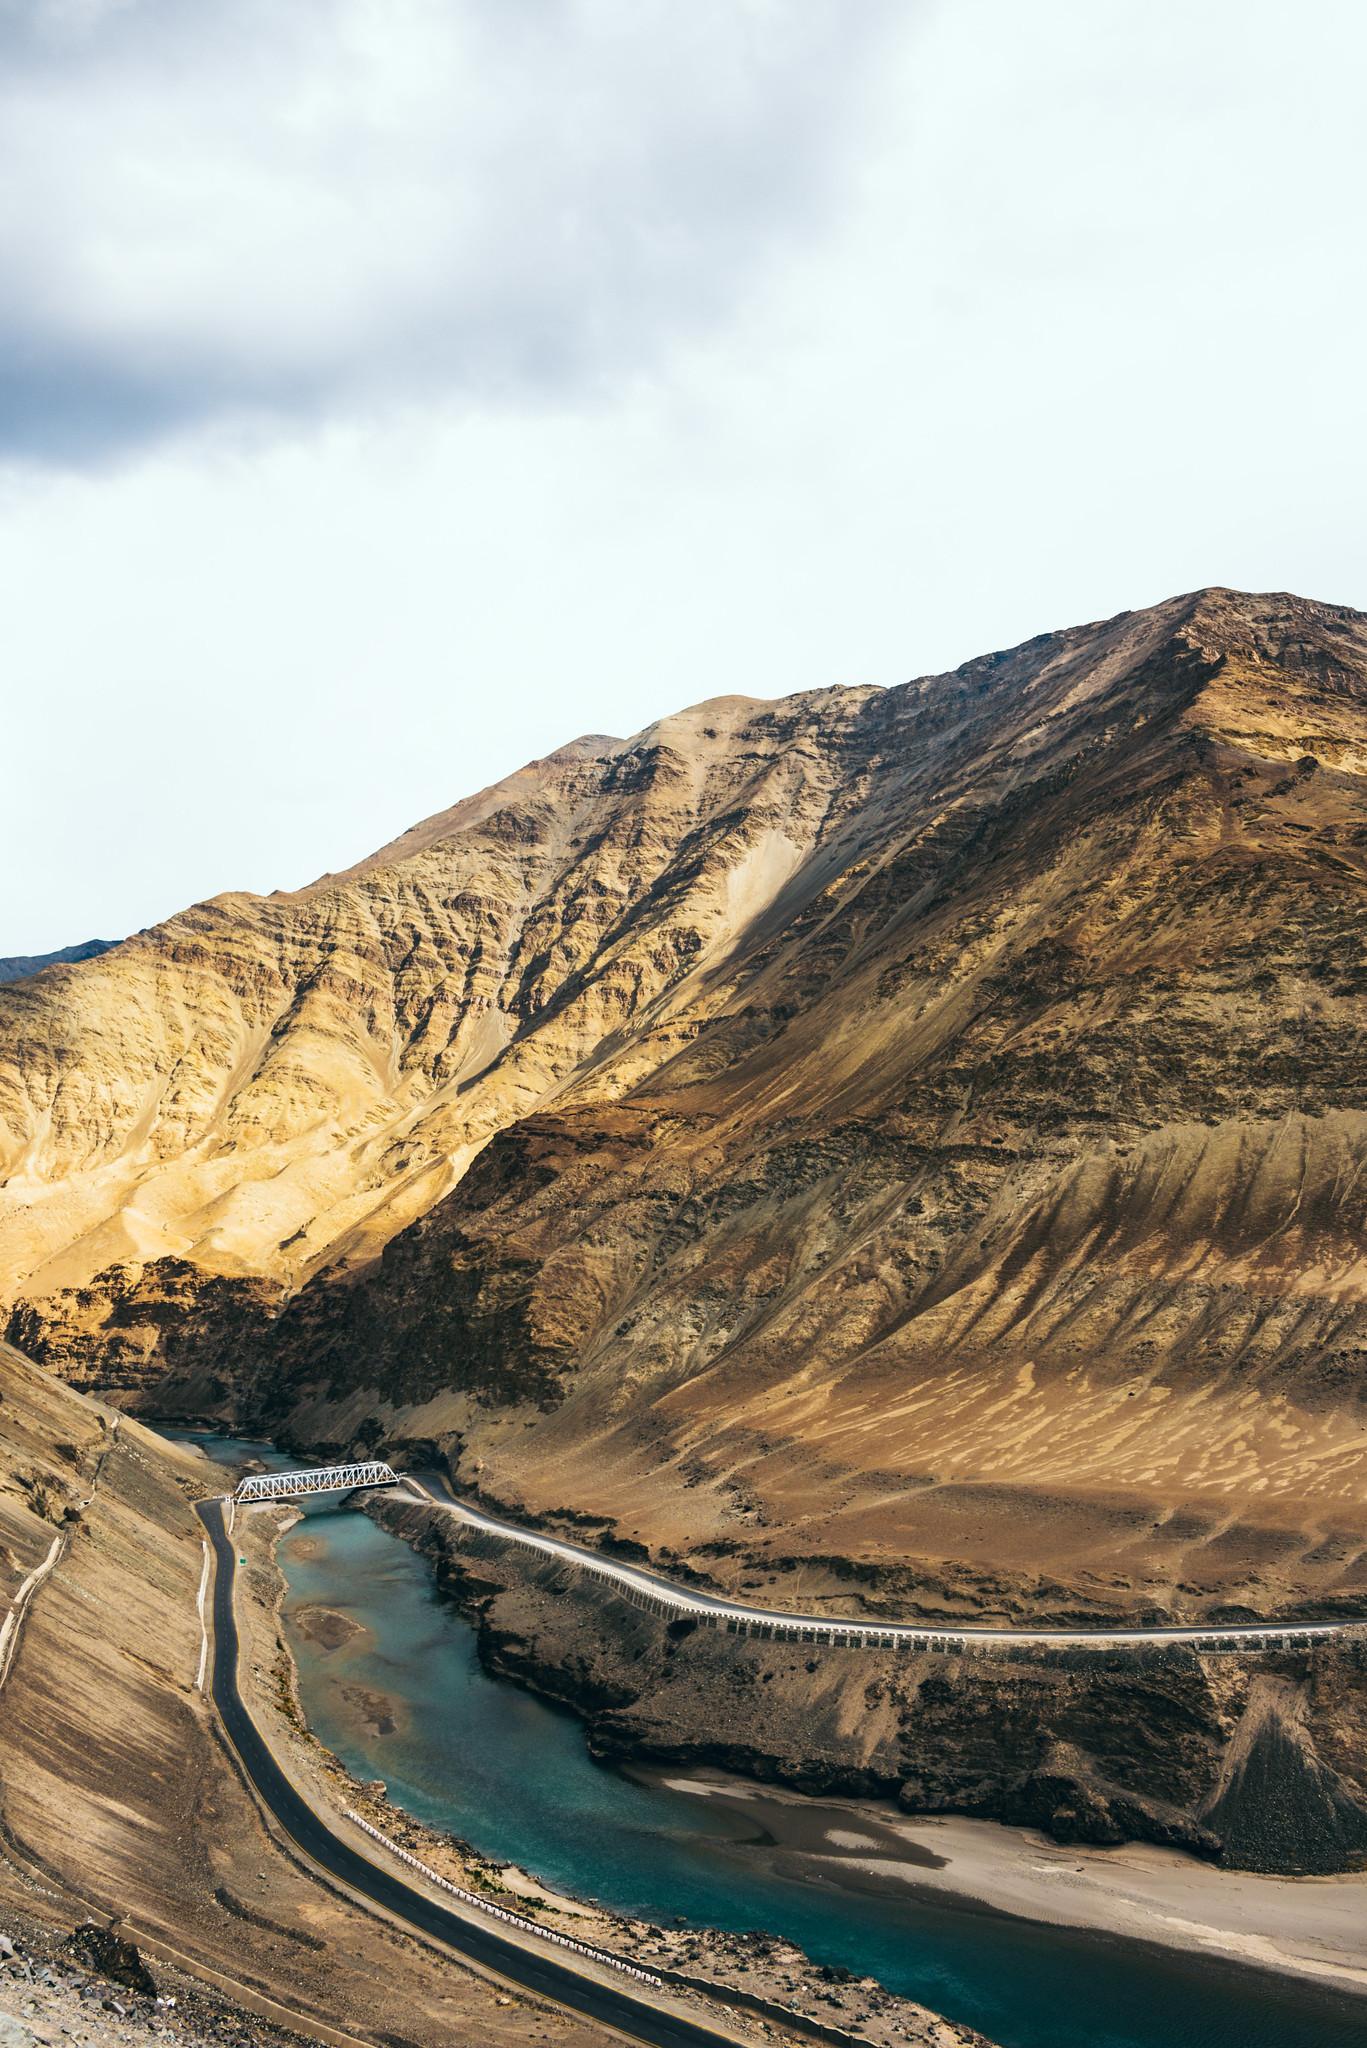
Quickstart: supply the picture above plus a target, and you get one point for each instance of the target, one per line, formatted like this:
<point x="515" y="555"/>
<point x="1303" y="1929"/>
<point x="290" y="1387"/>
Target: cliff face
<point x="907" y="1144"/>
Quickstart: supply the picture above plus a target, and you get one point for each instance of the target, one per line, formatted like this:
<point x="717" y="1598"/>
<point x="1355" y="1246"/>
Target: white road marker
<point x="511" y="1919"/>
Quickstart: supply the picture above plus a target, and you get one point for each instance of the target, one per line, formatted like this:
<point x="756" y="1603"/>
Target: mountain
<point x="909" y="1142"/>
<point x="19" y="966"/>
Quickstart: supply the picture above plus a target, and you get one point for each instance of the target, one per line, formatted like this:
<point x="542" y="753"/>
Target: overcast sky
<point x="392" y="389"/>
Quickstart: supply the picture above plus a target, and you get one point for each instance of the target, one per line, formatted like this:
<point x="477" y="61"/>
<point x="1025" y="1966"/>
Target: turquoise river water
<point x="403" y="1698"/>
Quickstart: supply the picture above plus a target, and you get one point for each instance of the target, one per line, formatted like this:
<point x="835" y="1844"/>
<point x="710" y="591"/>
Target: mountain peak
<point x="587" y="919"/>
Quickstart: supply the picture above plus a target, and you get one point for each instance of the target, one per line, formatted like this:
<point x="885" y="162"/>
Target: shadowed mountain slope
<point x="19" y="966"/>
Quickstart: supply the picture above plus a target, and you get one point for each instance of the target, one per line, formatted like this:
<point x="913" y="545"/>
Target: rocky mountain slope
<point x="903" y="1144"/>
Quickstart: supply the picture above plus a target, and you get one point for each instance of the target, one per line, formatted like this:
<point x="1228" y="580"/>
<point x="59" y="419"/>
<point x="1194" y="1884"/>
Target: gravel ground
<point x="91" y="1990"/>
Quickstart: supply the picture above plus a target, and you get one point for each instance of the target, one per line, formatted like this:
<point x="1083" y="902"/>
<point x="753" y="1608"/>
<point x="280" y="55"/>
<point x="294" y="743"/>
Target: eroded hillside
<point x="264" y="1081"/>
<point x="908" y="1140"/>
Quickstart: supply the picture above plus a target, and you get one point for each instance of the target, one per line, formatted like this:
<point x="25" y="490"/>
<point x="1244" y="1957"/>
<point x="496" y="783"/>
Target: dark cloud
<point x="246" y="209"/>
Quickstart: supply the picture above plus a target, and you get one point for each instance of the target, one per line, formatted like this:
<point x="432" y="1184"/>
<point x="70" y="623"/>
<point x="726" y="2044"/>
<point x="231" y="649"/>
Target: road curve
<point x="653" y="1589"/>
<point x="545" y="1975"/>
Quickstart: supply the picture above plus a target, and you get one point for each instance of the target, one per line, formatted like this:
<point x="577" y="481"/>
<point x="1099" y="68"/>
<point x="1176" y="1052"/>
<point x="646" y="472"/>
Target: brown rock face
<point x="907" y="1144"/>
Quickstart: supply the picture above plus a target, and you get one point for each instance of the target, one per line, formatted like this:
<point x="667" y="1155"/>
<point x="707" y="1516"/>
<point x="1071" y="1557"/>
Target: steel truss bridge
<point x="318" y="1479"/>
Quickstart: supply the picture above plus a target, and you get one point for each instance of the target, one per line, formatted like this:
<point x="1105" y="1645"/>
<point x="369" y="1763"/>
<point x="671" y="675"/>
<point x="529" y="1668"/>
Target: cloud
<point x="248" y="209"/>
<point x="1061" y="320"/>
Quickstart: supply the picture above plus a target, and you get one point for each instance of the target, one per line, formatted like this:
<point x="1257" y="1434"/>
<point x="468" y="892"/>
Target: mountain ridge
<point x="19" y="966"/>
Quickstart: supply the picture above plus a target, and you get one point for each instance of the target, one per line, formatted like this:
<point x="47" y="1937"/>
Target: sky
<point x="391" y="390"/>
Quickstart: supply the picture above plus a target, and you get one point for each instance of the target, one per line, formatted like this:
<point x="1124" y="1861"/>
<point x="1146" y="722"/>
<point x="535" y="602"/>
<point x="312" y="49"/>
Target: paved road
<point x="653" y="1587"/>
<point x="629" y="2014"/>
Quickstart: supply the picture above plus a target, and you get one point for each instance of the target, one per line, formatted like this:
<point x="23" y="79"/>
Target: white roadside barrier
<point x="581" y="1948"/>
<point x="906" y="1638"/>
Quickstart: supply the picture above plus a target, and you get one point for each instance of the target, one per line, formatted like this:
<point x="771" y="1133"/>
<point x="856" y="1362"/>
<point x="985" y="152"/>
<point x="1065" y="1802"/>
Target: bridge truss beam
<point x="319" y="1479"/>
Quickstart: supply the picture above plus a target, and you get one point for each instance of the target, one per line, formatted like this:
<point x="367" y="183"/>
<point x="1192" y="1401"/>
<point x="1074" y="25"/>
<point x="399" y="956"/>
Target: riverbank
<point x="766" y="1988"/>
<point x="1299" y="1927"/>
<point x="1250" y="1761"/>
<point x="1127" y="1916"/>
<point x="491" y="1763"/>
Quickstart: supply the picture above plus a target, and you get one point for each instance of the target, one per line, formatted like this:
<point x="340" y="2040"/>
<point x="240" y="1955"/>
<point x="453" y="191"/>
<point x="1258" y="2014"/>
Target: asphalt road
<point x="632" y="2015"/>
<point x="687" y="1599"/>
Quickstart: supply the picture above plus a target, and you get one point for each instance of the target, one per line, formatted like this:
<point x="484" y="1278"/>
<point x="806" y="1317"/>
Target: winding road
<point x="544" y="1974"/>
<point x="652" y="1590"/>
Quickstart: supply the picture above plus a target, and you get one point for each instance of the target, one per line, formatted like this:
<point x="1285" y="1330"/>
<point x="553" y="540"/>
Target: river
<point x="397" y="1692"/>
